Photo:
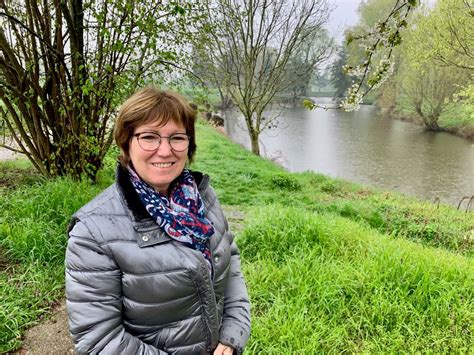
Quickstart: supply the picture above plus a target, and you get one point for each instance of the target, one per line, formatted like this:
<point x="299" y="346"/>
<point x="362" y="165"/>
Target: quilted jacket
<point x="131" y="289"/>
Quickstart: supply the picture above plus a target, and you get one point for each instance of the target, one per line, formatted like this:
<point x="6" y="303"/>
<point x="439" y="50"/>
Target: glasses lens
<point x="149" y="141"/>
<point x="179" y="142"/>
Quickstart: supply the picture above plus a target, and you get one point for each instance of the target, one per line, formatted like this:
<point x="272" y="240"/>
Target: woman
<point x="151" y="267"/>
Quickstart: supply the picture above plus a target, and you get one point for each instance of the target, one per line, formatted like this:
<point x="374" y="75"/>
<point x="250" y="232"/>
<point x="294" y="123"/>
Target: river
<point x="365" y="148"/>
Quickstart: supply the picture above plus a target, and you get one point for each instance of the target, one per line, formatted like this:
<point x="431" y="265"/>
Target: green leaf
<point x="349" y="38"/>
<point x="310" y="105"/>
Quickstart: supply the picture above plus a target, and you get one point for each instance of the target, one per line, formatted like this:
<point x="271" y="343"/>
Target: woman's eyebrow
<point x="158" y="132"/>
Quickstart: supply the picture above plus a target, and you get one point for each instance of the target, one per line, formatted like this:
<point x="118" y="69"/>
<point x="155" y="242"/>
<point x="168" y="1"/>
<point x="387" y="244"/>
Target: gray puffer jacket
<point x="131" y="289"/>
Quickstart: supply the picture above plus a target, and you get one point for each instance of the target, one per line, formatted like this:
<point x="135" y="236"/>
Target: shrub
<point x="285" y="182"/>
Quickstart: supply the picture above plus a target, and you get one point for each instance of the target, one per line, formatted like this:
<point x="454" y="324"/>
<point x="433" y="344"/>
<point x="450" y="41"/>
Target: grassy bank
<point x="321" y="283"/>
<point x="331" y="266"/>
<point x="33" y="220"/>
<point x="455" y="119"/>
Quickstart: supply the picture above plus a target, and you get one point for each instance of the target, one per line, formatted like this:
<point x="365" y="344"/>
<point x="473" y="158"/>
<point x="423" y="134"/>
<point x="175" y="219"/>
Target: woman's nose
<point x="164" y="148"/>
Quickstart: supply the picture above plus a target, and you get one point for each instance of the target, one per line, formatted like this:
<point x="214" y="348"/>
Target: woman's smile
<point x="159" y="167"/>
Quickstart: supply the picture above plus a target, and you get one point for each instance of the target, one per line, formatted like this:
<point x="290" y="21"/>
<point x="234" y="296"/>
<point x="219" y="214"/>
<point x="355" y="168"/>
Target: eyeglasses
<point x="150" y="141"/>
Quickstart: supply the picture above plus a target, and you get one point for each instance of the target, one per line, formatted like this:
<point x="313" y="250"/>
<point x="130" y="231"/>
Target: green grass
<point x="33" y="222"/>
<point x="28" y="291"/>
<point x="331" y="266"/>
<point x="321" y="283"/>
<point x="18" y="172"/>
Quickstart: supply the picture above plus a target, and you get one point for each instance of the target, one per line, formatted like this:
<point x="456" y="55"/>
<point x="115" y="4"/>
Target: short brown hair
<point x="149" y="105"/>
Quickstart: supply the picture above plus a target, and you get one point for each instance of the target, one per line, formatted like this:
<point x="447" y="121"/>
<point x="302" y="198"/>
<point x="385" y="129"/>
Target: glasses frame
<point x="137" y="135"/>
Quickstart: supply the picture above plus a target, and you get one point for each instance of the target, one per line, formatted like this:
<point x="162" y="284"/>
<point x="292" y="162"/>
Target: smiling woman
<point x="151" y="267"/>
<point x="155" y="159"/>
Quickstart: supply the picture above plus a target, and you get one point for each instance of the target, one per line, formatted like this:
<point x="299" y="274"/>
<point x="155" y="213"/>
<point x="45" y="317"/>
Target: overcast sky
<point x="344" y="15"/>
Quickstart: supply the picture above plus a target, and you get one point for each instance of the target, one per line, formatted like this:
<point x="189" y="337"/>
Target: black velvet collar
<point x="131" y="197"/>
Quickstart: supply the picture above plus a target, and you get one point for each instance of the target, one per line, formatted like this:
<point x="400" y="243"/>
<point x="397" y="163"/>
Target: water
<point x="365" y="148"/>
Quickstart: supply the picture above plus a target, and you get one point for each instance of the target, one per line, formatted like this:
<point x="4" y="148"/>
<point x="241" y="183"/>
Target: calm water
<point x="361" y="147"/>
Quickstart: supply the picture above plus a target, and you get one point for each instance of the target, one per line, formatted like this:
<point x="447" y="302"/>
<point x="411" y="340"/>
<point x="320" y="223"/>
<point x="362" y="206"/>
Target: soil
<point x="49" y="337"/>
<point x="7" y="154"/>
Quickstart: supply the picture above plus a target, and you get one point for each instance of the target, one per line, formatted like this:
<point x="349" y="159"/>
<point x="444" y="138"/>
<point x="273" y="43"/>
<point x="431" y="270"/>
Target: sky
<point x="344" y="15"/>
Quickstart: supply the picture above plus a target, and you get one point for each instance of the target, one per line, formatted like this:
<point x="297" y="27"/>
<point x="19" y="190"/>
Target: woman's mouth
<point x="162" y="165"/>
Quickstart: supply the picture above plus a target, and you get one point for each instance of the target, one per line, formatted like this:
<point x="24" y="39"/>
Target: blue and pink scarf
<point x="181" y="216"/>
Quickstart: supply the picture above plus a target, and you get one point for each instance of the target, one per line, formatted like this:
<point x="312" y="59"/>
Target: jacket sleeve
<point x="235" y="329"/>
<point x="94" y="299"/>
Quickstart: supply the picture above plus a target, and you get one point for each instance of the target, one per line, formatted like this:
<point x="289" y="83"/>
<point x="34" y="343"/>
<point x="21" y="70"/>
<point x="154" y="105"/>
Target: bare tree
<point x="250" y="47"/>
<point x="64" y="65"/>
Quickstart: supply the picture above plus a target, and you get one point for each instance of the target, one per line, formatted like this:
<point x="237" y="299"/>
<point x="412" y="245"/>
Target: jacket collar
<point x="148" y="232"/>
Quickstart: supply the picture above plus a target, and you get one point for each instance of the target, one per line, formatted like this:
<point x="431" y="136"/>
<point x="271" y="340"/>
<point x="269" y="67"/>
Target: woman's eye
<point x="150" y="137"/>
<point x="179" y="138"/>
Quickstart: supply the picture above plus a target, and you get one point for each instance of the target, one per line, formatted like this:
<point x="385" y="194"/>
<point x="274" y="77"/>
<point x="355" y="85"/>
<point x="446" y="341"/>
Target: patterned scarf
<point x="182" y="215"/>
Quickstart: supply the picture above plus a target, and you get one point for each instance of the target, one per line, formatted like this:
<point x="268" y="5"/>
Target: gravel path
<point x="50" y="336"/>
<point x="7" y="154"/>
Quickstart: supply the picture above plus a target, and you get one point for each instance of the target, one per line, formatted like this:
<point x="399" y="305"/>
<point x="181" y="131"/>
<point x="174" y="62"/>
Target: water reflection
<point x="364" y="148"/>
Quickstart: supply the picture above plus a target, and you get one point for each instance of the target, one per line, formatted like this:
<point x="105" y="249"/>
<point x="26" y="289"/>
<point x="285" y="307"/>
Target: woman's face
<point x="160" y="167"/>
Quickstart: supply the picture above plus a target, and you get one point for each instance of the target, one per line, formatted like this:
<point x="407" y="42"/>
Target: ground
<point x="50" y="336"/>
<point x="6" y="154"/>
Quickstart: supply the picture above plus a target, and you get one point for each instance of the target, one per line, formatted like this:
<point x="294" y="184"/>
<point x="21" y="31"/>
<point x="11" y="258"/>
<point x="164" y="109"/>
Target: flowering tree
<point x="383" y="37"/>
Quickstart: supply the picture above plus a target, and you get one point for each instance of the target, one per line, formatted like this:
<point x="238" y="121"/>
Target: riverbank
<point x="452" y="124"/>
<point x="357" y="269"/>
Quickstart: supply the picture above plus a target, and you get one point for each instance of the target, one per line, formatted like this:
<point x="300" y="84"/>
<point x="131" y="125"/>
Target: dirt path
<point x="6" y="154"/>
<point x="49" y="337"/>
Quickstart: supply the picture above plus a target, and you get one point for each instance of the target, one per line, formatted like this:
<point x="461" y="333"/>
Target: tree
<point x="444" y="39"/>
<point x="429" y="85"/>
<point x="303" y="65"/>
<point x="451" y="25"/>
<point x="250" y="48"/>
<point x="429" y="90"/>
<point x="339" y="79"/>
<point x="66" y="64"/>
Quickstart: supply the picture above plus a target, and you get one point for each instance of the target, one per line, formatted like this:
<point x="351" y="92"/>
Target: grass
<point x="18" y="172"/>
<point x="321" y="283"/>
<point x="246" y="180"/>
<point x="357" y="269"/>
<point x="35" y="213"/>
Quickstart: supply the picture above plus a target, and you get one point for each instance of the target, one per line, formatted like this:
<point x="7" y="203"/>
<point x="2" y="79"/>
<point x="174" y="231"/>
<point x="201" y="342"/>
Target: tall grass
<point x="321" y="283"/>
<point x="33" y="222"/>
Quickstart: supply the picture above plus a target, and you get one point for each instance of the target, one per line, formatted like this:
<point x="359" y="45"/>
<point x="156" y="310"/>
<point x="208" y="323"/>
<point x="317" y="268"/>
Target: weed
<point x="286" y="182"/>
<point x="324" y="284"/>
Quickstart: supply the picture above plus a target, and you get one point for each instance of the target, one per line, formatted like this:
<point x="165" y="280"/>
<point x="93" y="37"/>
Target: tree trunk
<point x="433" y="124"/>
<point x="254" y="141"/>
